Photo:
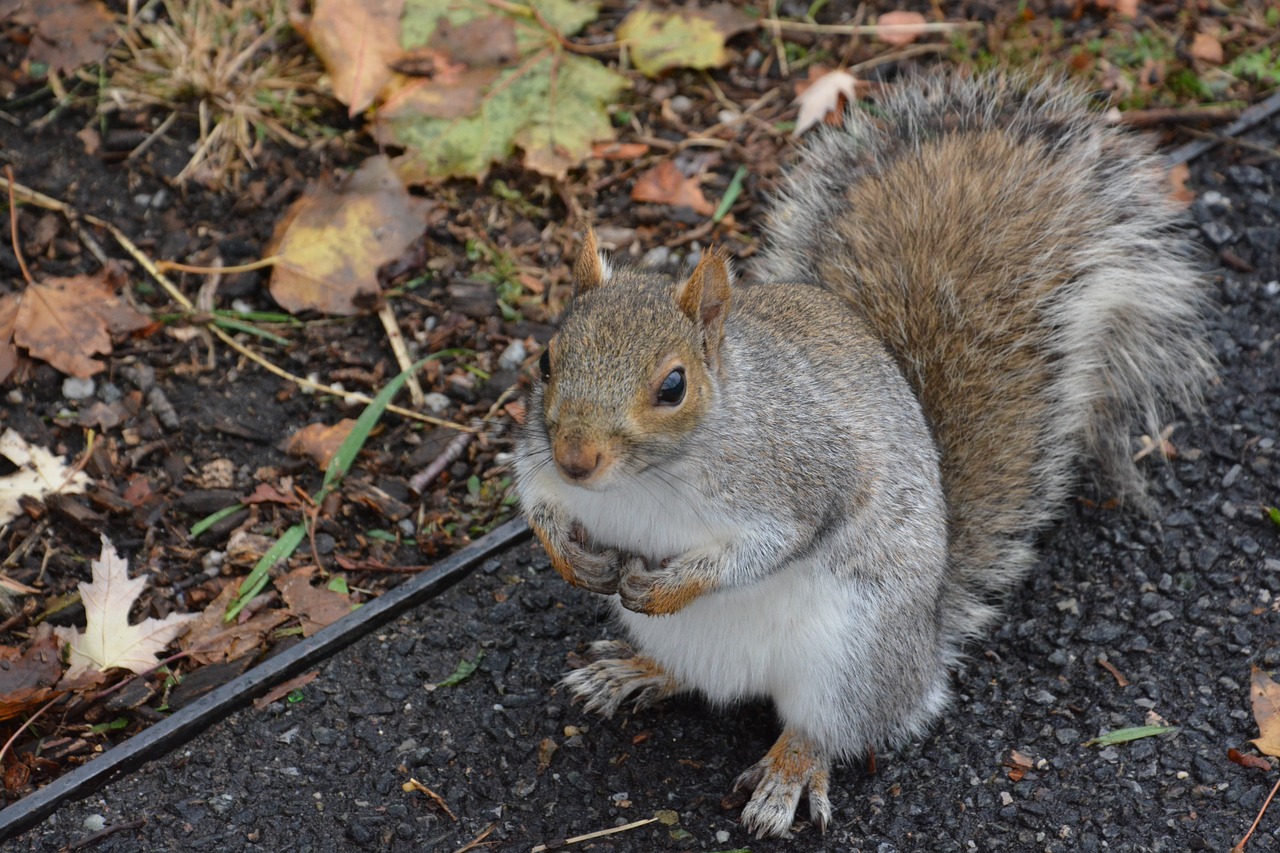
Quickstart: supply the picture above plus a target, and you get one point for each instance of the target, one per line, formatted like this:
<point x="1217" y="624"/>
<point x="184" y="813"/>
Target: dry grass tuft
<point x="236" y="64"/>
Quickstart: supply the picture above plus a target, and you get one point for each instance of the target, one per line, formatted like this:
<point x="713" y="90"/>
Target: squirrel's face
<point x="631" y="372"/>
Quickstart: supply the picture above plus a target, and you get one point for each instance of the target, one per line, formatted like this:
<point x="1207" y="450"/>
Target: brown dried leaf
<point x="284" y="688"/>
<point x="27" y="677"/>
<point x="212" y="640"/>
<point x="664" y="184"/>
<point x="69" y="34"/>
<point x="319" y="442"/>
<point x="332" y="242"/>
<point x="67" y="321"/>
<point x="8" y="317"/>
<point x="900" y="37"/>
<point x="1245" y="760"/>
<point x="315" y="606"/>
<point x="356" y="42"/>
<point x="1018" y="765"/>
<point x="1266" y="710"/>
<point x="1206" y="48"/>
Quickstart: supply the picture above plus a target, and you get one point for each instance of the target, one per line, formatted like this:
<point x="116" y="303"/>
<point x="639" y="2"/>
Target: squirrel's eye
<point x="544" y="365"/>
<point x="672" y="390"/>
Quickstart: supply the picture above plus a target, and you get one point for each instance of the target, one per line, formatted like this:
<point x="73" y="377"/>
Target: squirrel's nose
<point x="577" y="461"/>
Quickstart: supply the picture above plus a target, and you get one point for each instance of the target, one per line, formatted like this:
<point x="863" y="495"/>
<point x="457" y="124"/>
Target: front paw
<point x="660" y="589"/>
<point x="595" y="570"/>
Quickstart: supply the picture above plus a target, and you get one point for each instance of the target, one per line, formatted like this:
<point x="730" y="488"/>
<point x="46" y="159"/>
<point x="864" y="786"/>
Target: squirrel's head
<point x="634" y="367"/>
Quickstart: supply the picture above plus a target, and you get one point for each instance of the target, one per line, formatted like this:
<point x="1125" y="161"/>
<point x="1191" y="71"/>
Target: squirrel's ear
<point x="589" y="270"/>
<point x="704" y="298"/>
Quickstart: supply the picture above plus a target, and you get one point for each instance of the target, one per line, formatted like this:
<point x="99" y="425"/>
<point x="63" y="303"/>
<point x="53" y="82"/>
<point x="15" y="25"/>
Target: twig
<point x="451" y="452"/>
<point x="13" y="227"/>
<point x="156" y="134"/>
<point x="1239" y="848"/>
<point x="1234" y="141"/>
<point x="542" y="848"/>
<point x="167" y="266"/>
<point x="415" y="785"/>
<point x="22" y="728"/>
<point x="89" y="840"/>
<point x="1177" y="115"/>
<point x="1257" y="113"/>
<point x="401" y="352"/>
<point x="475" y="842"/>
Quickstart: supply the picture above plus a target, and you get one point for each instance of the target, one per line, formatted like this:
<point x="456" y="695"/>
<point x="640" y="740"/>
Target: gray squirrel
<point x="817" y="487"/>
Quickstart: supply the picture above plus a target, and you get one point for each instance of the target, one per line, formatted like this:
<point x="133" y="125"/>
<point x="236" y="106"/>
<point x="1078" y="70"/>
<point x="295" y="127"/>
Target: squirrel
<point x="816" y="487"/>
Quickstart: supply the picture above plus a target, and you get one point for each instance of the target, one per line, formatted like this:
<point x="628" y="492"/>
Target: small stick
<point x="401" y="351"/>
<point x="151" y="140"/>
<point x="1257" y="113"/>
<point x="475" y="842"/>
<point x="24" y="726"/>
<point x="447" y="457"/>
<point x="1239" y="848"/>
<point x="101" y="834"/>
<point x="542" y="848"/>
<point x="415" y="785"/>
<point x="13" y="227"/>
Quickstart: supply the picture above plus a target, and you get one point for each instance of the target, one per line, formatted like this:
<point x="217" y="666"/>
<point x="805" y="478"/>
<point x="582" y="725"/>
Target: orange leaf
<point x="1266" y="710"/>
<point x="356" y="42"/>
<point x="67" y="321"/>
<point x="1206" y="48"/>
<point x="908" y="22"/>
<point x="664" y="184"/>
<point x="319" y="442"/>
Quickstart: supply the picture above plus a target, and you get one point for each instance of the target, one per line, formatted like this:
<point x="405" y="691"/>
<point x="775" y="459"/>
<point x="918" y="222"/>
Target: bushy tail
<point x="1024" y="262"/>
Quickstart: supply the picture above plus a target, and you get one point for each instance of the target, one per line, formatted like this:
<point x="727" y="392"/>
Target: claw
<point x="778" y="781"/>
<point x="611" y="674"/>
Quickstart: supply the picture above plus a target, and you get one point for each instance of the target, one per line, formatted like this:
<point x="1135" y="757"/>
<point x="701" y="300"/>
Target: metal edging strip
<point x="240" y="691"/>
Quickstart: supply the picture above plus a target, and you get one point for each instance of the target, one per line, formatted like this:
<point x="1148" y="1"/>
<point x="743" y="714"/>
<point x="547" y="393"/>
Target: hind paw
<point x="612" y="674"/>
<point x="778" y="781"/>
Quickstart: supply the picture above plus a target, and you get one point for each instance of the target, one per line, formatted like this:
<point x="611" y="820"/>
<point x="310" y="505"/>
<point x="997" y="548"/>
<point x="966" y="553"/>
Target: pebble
<point x="94" y="823"/>
<point x="1217" y="233"/>
<point x="74" y="388"/>
<point x="659" y="257"/>
<point x="436" y="403"/>
<point x="513" y="356"/>
<point x="681" y="104"/>
<point x="1234" y="474"/>
<point x="109" y="392"/>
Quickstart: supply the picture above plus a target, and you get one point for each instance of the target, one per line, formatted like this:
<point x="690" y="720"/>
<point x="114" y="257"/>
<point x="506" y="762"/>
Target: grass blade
<point x="1126" y="735"/>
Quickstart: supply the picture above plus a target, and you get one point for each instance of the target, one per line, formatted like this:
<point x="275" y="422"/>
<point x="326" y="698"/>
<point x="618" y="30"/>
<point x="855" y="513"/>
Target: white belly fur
<point x="793" y="636"/>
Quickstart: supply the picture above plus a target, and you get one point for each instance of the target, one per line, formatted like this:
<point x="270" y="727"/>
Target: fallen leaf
<point x="331" y="243"/>
<point x="547" y="102"/>
<point x="1245" y="760"/>
<point x="8" y="351"/>
<point x="69" y="34"/>
<point x="67" y="321"/>
<point x="315" y="606"/>
<point x="319" y="442"/>
<point x="1126" y="735"/>
<point x="619" y="150"/>
<point x="824" y="95"/>
<point x="267" y="493"/>
<point x="464" y="670"/>
<point x="108" y="640"/>
<point x="661" y="39"/>
<point x="546" y="750"/>
<point x="38" y="473"/>
<point x="210" y="639"/>
<point x="356" y="42"/>
<point x="910" y="27"/>
<point x="1266" y="710"/>
<point x="27" y="677"/>
<point x="1178" y="189"/>
<point x="1206" y="48"/>
<point x="1018" y="765"/>
<point x="284" y="688"/>
<point x="665" y="184"/>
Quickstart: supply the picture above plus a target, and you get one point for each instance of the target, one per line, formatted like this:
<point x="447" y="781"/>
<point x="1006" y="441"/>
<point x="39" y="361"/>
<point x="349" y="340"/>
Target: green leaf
<point x="463" y="672"/>
<point x="257" y="579"/>
<point x="661" y="40"/>
<point x="1273" y="513"/>
<point x="1126" y="735"/>
<point x="338" y="584"/>
<point x="115" y="725"/>
<point x="549" y="103"/>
